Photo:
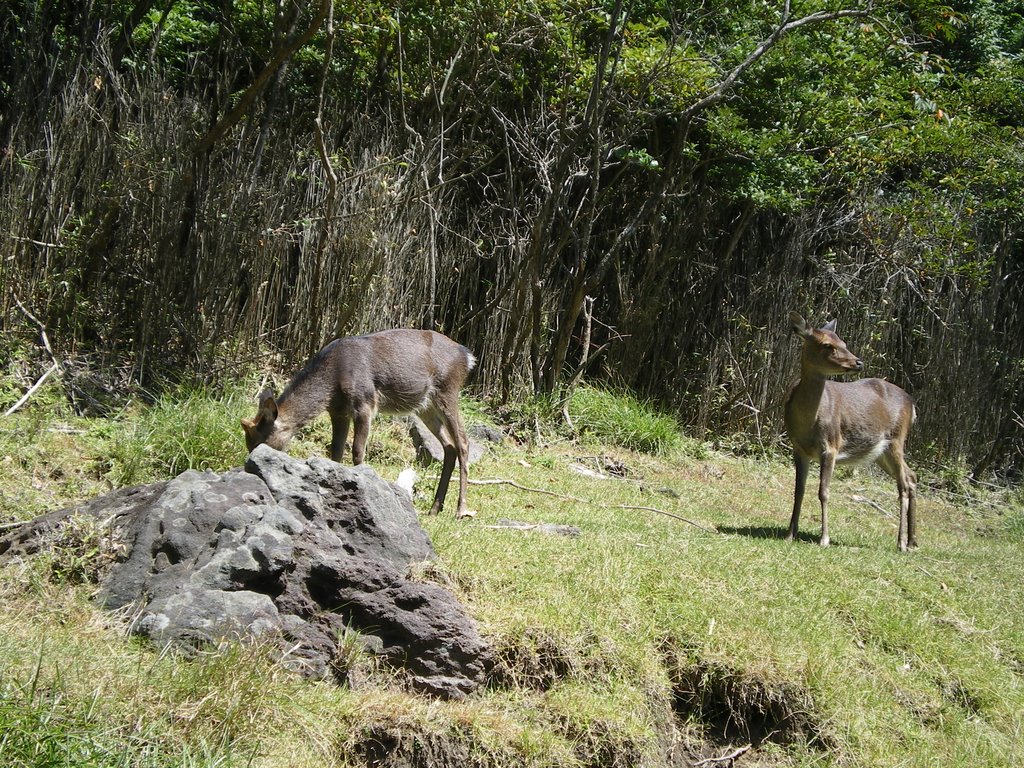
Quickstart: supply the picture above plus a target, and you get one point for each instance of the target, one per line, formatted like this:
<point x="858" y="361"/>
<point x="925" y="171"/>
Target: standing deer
<point x="397" y="371"/>
<point x="846" y="422"/>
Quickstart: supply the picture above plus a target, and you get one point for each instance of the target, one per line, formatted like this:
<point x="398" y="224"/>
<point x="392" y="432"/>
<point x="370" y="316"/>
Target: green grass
<point x="182" y="430"/>
<point x="642" y="631"/>
<point x="622" y="420"/>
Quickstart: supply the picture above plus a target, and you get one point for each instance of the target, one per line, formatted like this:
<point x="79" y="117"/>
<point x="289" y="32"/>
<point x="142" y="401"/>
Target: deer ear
<point x="248" y="425"/>
<point x="800" y="326"/>
<point x="268" y="410"/>
<point x="268" y="406"/>
<point x="829" y="326"/>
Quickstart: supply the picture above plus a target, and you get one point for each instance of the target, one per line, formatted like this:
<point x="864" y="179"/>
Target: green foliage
<point x="897" y="134"/>
<point x="1015" y="526"/>
<point x="40" y="729"/>
<point x="184" y="429"/>
<point x="622" y="419"/>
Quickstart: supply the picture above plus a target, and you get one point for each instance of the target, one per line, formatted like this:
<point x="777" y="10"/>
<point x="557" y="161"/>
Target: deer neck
<point x="303" y="400"/>
<point x="808" y="392"/>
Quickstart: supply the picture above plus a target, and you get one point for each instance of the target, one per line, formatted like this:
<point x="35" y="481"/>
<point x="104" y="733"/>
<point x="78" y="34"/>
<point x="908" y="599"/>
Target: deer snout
<point x="858" y="364"/>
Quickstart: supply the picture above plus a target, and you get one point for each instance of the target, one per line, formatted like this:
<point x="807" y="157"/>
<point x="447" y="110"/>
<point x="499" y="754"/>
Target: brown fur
<point x="397" y="371"/>
<point x="846" y="422"/>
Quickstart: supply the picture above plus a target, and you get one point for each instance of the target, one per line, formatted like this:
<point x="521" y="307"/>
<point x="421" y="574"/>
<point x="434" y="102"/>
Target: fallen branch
<point x="42" y="328"/>
<point x="549" y="528"/>
<point x="578" y="500"/>
<point x="870" y="503"/>
<point x="32" y="390"/>
<point x="661" y="512"/>
<point x="514" y="484"/>
<point x="16" y="524"/>
<point x="724" y="758"/>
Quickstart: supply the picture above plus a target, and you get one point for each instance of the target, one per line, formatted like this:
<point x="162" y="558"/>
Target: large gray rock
<point x="429" y="449"/>
<point x="302" y="552"/>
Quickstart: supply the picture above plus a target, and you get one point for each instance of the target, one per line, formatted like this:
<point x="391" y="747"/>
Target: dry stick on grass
<point x="577" y="499"/>
<point x="865" y="500"/>
<point x="31" y="391"/>
<point x="660" y="512"/>
<point x="49" y="350"/>
<point x="724" y="758"/>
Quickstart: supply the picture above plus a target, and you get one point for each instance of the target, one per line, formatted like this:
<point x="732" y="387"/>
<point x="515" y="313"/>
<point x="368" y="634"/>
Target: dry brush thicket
<point x="487" y="217"/>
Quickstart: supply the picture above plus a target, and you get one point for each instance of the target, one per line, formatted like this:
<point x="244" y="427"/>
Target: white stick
<point x="32" y="389"/>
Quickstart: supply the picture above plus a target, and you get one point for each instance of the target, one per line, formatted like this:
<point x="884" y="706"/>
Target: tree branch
<point x="249" y="95"/>
<point x="32" y="390"/>
<point x="724" y="758"/>
<point x="720" y="91"/>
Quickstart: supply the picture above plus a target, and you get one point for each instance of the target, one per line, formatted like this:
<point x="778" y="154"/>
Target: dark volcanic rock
<point x="301" y="551"/>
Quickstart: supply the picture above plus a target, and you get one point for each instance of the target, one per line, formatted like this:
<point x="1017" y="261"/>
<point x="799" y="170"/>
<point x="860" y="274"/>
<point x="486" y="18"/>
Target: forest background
<point x="629" y="192"/>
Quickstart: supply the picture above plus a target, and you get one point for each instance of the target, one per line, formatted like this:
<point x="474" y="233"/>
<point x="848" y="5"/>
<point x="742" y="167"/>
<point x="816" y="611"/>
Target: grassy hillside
<point x="647" y="639"/>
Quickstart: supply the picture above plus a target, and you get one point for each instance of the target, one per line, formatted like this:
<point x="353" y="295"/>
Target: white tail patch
<point x="470" y="360"/>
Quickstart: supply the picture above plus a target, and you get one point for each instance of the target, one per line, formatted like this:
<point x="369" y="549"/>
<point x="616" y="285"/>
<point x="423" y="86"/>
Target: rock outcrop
<point x="307" y="553"/>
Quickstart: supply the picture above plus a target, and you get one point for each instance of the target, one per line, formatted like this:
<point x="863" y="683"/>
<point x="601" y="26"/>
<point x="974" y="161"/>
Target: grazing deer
<point x="846" y="422"/>
<point x="397" y="371"/>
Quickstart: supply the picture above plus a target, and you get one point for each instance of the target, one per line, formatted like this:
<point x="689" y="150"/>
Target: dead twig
<point x="865" y="500"/>
<point x="578" y="500"/>
<point x="31" y="390"/>
<point x="42" y="329"/>
<point x="724" y="758"/>
<point x="514" y="484"/>
<point x="45" y="340"/>
<point x="661" y="512"/>
<point x="588" y="318"/>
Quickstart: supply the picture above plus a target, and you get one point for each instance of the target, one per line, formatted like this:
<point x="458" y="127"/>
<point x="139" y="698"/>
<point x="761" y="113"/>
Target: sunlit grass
<point x="891" y="659"/>
<point x="621" y="419"/>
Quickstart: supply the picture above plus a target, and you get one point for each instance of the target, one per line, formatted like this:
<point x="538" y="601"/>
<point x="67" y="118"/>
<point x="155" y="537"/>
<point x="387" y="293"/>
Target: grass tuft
<point x="621" y="419"/>
<point x="183" y="430"/>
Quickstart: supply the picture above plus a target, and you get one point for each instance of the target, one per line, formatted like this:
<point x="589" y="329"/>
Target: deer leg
<point x="435" y="423"/>
<point x="453" y="437"/>
<point x="911" y="508"/>
<point x="906" y="483"/>
<point x="362" y="418"/>
<point x="444" y="421"/>
<point x="802" y="466"/>
<point x="454" y="423"/>
<point x="339" y="433"/>
<point x="828" y="463"/>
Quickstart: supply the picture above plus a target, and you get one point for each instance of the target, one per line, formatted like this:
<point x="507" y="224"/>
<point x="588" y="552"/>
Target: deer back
<point x="399" y="370"/>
